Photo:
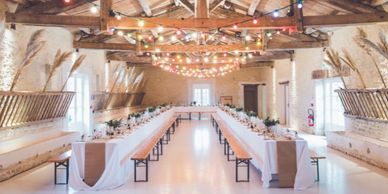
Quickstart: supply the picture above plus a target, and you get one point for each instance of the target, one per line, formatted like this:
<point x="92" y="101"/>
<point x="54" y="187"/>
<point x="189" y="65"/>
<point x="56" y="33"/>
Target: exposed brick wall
<point x="369" y="128"/>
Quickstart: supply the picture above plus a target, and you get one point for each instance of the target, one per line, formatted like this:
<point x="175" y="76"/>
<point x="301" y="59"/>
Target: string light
<point x="160" y="29"/>
<point x="120" y="33"/>
<point x="67" y="1"/>
<point x="254" y="21"/>
<point x="235" y="26"/>
<point x="173" y="38"/>
<point x="140" y="23"/>
<point x="161" y="38"/>
<point x="275" y="13"/>
<point x="178" y="32"/>
<point x="247" y="37"/>
<point x="118" y="16"/>
<point x="300" y="4"/>
<point x="94" y="9"/>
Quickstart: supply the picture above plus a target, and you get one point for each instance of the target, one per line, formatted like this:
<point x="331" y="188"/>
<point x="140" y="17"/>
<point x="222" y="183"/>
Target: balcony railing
<point x="19" y="108"/>
<point x="365" y="103"/>
<point x="108" y="101"/>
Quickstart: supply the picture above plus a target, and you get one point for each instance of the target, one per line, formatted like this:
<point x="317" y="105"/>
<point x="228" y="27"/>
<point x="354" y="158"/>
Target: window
<point x="330" y="111"/>
<point x="78" y="115"/>
<point x="201" y="94"/>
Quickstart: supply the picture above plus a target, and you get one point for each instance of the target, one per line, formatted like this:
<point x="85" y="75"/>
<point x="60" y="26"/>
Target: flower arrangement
<point x="113" y="124"/>
<point x="150" y="109"/>
<point x="239" y="109"/>
<point x="271" y="122"/>
<point x="252" y="114"/>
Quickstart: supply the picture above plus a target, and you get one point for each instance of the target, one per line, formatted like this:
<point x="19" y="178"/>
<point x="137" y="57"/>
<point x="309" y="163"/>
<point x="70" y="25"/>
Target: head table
<point x="117" y="172"/>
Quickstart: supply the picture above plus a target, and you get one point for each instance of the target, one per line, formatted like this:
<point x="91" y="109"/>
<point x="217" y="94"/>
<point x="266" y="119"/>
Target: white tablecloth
<point x="202" y="109"/>
<point x="264" y="155"/>
<point x="114" y="174"/>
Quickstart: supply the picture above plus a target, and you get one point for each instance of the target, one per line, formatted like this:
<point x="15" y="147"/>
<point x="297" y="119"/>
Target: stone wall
<point x="376" y="129"/>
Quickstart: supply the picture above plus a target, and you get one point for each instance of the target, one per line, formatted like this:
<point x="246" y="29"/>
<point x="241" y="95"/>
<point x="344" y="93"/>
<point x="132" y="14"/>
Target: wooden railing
<point x="19" y="108"/>
<point x="365" y="103"/>
<point x="108" y="101"/>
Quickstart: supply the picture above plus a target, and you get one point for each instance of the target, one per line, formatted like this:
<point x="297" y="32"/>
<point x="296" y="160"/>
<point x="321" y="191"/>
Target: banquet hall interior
<point x="193" y="96"/>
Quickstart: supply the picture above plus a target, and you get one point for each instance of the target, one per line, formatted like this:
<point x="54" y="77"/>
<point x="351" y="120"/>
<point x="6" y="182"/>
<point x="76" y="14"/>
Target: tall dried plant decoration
<point x="77" y="63"/>
<point x="334" y="60"/>
<point x="131" y="80"/>
<point x="348" y="60"/>
<point x="365" y="44"/>
<point x="59" y="59"/>
<point x="35" y="44"/>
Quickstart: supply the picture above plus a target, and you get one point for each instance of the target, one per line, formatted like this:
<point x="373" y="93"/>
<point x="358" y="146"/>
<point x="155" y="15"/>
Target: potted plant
<point x="271" y="123"/>
<point x="113" y="125"/>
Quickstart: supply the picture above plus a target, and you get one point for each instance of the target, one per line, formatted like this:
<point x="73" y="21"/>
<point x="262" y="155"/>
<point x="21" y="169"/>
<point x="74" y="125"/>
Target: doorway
<point x="201" y="94"/>
<point x="250" y="97"/>
<point x="285" y="103"/>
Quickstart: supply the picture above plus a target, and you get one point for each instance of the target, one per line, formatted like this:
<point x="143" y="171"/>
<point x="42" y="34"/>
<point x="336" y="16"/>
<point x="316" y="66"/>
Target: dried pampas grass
<point x="35" y="44"/>
<point x="59" y="59"/>
<point x="334" y="60"/>
<point x="348" y="60"/>
<point x="367" y="45"/>
<point x="77" y="63"/>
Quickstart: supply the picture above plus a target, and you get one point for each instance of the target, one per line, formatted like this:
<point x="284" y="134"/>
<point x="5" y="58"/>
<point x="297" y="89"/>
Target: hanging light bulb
<point x="275" y="13"/>
<point x="255" y="21"/>
<point x="206" y="60"/>
<point x="67" y="1"/>
<point x="223" y="37"/>
<point x="178" y="32"/>
<point x="160" y="29"/>
<point x="140" y="23"/>
<point x="235" y="26"/>
<point x="247" y="37"/>
<point x="161" y="38"/>
<point x="94" y="9"/>
<point x="120" y="33"/>
<point x="173" y="38"/>
<point x="300" y="5"/>
<point x="194" y="35"/>
<point x="118" y="16"/>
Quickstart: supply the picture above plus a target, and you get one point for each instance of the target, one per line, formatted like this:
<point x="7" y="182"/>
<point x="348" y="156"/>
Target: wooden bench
<point x="231" y="142"/>
<point x="61" y="160"/>
<point x="315" y="161"/>
<point x="153" y="143"/>
<point x="198" y="112"/>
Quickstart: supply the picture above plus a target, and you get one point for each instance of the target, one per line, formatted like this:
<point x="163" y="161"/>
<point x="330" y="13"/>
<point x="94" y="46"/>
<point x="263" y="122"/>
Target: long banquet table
<point x="264" y="155"/>
<point x="116" y="173"/>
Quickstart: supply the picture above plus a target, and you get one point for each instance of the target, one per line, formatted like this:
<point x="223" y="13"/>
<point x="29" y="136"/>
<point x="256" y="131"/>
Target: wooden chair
<point x="61" y="160"/>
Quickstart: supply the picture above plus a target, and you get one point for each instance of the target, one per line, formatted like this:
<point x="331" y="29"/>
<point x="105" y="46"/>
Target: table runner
<point x="94" y="161"/>
<point x="286" y="161"/>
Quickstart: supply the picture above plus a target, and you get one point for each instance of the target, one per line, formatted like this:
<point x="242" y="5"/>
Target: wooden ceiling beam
<point x="146" y="7"/>
<point x="201" y="9"/>
<point x="353" y="6"/>
<point x="49" y="7"/>
<point x="252" y="7"/>
<point x="187" y="5"/>
<point x="344" y="20"/>
<point x="105" y="7"/>
<point x="198" y="23"/>
<point x="270" y="46"/>
<point x="215" y="4"/>
<point x="51" y="20"/>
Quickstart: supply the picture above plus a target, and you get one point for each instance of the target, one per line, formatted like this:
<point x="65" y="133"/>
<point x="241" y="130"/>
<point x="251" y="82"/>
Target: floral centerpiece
<point x="113" y="126"/>
<point x="271" y="123"/>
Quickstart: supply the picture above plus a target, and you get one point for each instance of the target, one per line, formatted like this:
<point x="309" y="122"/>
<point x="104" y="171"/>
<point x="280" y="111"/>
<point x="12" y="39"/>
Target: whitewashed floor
<point x="194" y="163"/>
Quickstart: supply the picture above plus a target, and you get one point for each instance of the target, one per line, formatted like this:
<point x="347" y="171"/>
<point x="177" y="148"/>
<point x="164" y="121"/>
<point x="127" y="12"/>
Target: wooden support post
<point x="105" y="8"/>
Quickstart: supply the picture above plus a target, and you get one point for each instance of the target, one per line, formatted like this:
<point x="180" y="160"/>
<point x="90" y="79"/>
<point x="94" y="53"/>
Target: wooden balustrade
<point x="19" y="108"/>
<point x="365" y="103"/>
<point x="107" y="101"/>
